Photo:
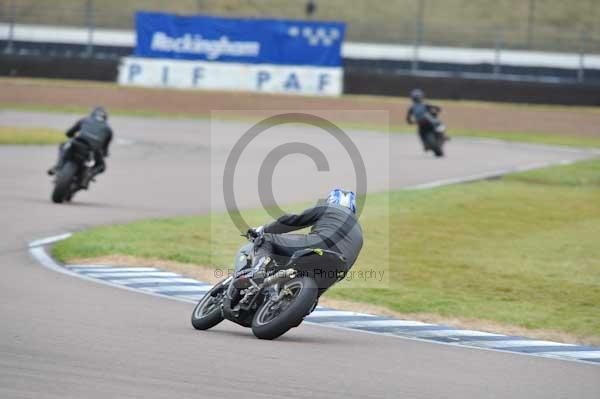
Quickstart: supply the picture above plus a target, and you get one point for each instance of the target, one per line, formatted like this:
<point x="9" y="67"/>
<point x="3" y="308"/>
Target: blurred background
<point x="524" y="41"/>
<point x="547" y="25"/>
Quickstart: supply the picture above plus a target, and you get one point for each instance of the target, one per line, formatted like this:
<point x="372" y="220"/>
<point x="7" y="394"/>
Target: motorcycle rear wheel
<point x="62" y="185"/>
<point x="274" y="319"/>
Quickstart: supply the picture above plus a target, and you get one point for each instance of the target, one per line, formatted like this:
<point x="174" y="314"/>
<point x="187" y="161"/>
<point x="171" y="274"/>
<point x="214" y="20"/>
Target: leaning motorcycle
<point x="273" y="297"/>
<point x="77" y="162"/>
<point x="435" y="135"/>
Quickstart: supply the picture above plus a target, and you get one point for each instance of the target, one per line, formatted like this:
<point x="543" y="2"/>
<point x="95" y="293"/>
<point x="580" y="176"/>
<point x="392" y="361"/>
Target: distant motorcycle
<point x="270" y="300"/>
<point x="435" y="133"/>
<point x="78" y="160"/>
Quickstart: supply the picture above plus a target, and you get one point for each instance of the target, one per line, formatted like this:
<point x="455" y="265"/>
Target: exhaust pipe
<point x="280" y="276"/>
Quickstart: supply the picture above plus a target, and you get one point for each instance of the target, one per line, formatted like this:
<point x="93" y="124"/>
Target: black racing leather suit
<point x="98" y="135"/>
<point x="333" y="227"/>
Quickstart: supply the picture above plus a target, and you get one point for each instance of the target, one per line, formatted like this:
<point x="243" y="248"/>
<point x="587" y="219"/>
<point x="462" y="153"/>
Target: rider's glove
<point x="255" y="231"/>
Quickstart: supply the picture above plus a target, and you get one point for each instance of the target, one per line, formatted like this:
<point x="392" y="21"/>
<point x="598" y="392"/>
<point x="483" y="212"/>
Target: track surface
<point x="63" y="337"/>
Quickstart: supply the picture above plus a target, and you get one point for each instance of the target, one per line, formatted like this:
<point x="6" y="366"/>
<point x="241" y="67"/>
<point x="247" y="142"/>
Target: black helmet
<point x="417" y="95"/>
<point x="99" y="113"/>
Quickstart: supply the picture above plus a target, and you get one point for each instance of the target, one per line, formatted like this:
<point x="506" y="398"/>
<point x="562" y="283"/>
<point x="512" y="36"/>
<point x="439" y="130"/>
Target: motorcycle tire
<point x="435" y="143"/>
<point x="268" y="324"/>
<point x="62" y="185"/>
<point x="203" y="318"/>
<point x="69" y="196"/>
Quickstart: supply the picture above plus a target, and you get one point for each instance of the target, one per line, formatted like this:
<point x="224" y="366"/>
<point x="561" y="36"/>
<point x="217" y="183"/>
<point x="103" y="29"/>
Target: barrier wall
<point x="361" y="80"/>
<point x="376" y="82"/>
<point x="59" y="67"/>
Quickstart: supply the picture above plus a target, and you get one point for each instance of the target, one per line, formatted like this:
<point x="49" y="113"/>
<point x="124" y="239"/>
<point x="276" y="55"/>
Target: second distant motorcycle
<point x="431" y="129"/>
<point x="82" y="157"/>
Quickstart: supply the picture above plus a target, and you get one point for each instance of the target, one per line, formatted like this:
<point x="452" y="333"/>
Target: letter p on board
<point x="134" y="70"/>
<point x="261" y="78"/>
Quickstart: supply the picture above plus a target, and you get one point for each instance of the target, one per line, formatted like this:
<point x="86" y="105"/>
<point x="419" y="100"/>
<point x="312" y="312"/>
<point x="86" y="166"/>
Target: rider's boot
<point x="52" y="171"/>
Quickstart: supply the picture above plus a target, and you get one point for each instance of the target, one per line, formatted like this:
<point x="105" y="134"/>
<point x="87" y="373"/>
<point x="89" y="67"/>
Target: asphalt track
<point x="62" y="337"/>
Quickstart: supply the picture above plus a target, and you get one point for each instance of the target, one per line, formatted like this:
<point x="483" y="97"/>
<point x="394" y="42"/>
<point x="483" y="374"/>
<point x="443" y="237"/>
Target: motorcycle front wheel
<point x="275" y="318"/>
<point x="435" y="143"/>
<point x="207" y="312"/>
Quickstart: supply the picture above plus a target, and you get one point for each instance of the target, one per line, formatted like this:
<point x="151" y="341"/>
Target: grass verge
<point x="523" y="137"/>
<point x="521" y="251"/>
<point x="29" y="136"/>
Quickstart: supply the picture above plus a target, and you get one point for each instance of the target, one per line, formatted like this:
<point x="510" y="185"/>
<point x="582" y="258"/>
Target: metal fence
<point x="540" y="25"/>
<point x="547" y="25"/>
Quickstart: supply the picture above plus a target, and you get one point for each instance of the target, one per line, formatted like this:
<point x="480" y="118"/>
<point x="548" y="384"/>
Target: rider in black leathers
<point x="423" y="114"/>
<point x="97" y="134"/>
<point x="334" y="227"/>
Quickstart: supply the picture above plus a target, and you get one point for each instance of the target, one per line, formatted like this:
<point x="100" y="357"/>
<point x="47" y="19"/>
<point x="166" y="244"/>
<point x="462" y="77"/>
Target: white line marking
<point x="173" y="288"/>
<point x="453" y="344"/>
<point x="453" y="333"/>
<point x="575" y="354"/>
<point x="152" y="280"/>
<point x="488" y="175"/>
<point x="336" y="313"/>
<point x="108" y="269"/>
<point x="121" y="141"/>
<point x="45" y="260"/>
<point x="380" y="323"/>
<point x="49" y="240"/>
<point x="134" y="274"/>
<point x="517" y="343"/>
<point x="193" y="298"/>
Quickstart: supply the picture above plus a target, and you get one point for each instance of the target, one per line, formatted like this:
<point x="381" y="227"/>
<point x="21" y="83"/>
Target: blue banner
<point x="255" y="41"/>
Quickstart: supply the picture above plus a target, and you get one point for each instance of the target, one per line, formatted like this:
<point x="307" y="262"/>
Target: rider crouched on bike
<point x="424" y="114"/>
<point x="94" y="131"/>
<point x="334" y="227"/>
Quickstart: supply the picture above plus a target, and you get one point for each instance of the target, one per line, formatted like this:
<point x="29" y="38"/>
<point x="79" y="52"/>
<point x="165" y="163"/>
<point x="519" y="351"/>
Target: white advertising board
<point x="289" y="79"/>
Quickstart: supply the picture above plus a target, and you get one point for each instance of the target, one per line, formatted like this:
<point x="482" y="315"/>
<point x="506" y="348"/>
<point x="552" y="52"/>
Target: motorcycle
<point x="77" y="163"/>
<point x="435" y="134"/>
<point x="272" y="297"/>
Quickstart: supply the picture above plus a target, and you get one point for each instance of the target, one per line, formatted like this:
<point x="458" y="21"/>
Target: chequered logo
<point x="316" y="36"/>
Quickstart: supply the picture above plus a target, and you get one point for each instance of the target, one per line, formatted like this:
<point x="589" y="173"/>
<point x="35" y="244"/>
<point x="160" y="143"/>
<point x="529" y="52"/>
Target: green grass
<point x="30" y="136"/>
<point x="581" y="174"/>
<point x="522" y="251"/>
<point x="74" y="109"/>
